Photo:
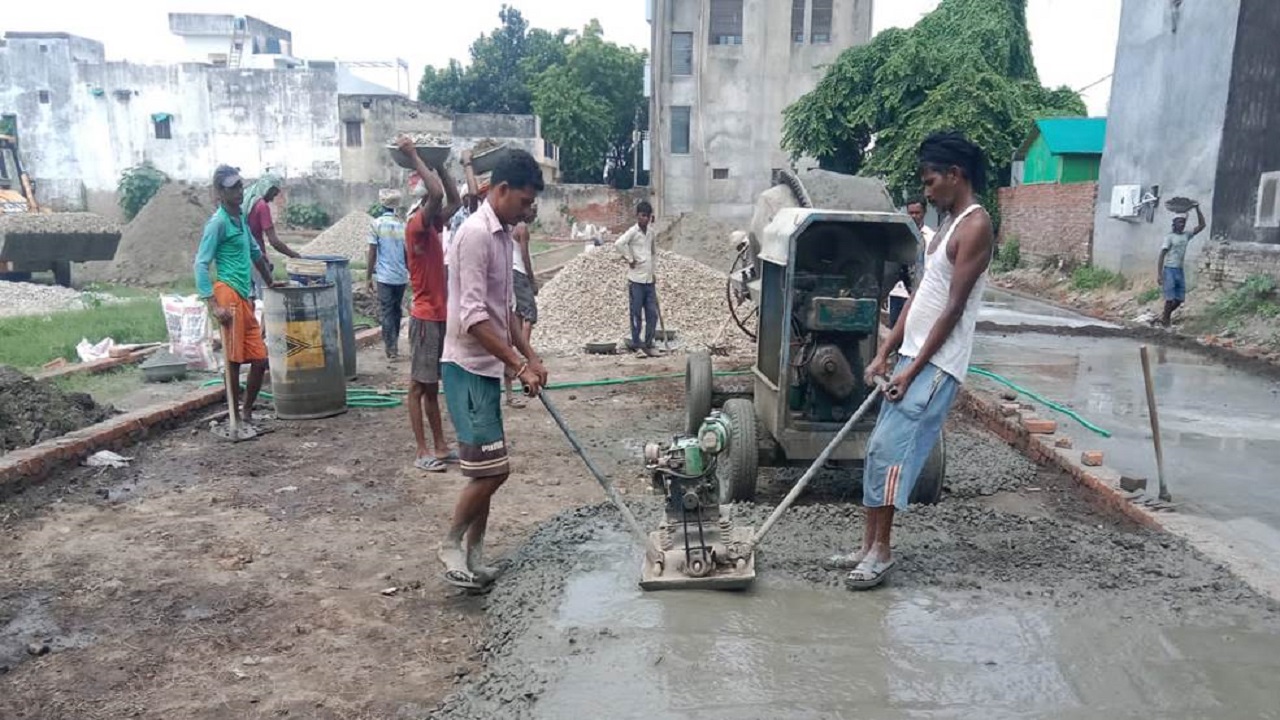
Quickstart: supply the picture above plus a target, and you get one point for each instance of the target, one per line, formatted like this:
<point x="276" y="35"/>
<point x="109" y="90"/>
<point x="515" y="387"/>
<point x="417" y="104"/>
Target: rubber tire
<point x="697" y="390"/>
<point x="62" y="273"/>
<point x="738" y="466"/>
<point x="928" y="489"/>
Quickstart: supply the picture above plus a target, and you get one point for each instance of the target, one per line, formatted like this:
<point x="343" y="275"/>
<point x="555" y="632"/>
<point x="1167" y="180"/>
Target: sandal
<point x="870" y="573"/>
<point x="517" y="403"/>
<point x="450" y="458"/>
<point x="463" y="579"/>
<point x="847" y="561"/>
<point x="428" y="463"/>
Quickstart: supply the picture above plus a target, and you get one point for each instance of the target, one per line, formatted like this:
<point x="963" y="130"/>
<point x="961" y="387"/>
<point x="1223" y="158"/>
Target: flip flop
<point x="450" y="458"/>
<point x="430" y="464"/>
<point x="870" y="573"/>
<point x="517" y="403"/>
<point x="848" y="561"/>
<point x="463" y="579"/>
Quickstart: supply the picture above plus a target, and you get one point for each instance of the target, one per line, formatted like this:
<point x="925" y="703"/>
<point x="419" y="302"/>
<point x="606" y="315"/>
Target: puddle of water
<point x="787" y="649"/>
<point x="1008" y="309"/>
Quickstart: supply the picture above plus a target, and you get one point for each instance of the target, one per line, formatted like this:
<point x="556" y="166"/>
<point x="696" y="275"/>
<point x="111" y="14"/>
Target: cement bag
<point x="190" y="338"/>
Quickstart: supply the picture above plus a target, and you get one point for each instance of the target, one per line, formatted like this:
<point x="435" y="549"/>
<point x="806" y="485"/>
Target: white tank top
<point x="929" y="302"/>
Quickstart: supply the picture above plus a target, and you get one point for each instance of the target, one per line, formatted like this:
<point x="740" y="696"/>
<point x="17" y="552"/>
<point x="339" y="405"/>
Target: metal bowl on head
<point x="434" y="156"/>
<point x="485" y="159"/>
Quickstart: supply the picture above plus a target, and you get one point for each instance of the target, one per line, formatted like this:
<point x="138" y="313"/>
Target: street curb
<point x="37" y="461"/>
<point x="1040" y="449"/>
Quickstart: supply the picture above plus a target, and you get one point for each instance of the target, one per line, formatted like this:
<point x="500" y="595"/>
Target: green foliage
<point x="966" y="66"/>
<point x="1255" y="298"/>
<point x="1148" y="296"/>
<point x="306" y="215"/>
<point x="589" y="93"/>
<point x="1008" y="257"/>
<point x="29" y="341"/>
<point x="1088" y="277"/>
<point x="137" y="186"/>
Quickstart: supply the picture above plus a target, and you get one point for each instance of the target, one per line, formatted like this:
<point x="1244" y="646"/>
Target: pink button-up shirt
<point x="479" y="289"/>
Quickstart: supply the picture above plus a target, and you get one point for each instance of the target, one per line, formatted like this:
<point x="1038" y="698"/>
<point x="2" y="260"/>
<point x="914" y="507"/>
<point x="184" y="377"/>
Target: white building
<point x="722" y="72"/>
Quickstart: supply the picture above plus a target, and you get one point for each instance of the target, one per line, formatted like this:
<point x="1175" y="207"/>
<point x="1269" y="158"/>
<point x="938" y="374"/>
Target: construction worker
<point x="525" y="289"/>
<point x="637" y="249"/>
<point x="908" y="275"/>
<point x="227" y="242"/>
<point x="388" y="268"/>
<point x="1173" y="254"/>
<point x="481" y="343"/>
<point x="257" y="208"/>
<point x="933" y="343"/>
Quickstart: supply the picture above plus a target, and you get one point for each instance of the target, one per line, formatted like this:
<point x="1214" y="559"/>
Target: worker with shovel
<point x="933" y="339"/>
<point x="481" y="343"/>
<point x="228" y="242"/>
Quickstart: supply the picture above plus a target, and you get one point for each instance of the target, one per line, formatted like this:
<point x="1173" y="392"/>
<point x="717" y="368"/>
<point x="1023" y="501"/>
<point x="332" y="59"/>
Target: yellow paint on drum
<point x="304" y="345"/>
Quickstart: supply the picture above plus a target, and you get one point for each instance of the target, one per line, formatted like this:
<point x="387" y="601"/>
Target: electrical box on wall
<point x="1126" y="201"/>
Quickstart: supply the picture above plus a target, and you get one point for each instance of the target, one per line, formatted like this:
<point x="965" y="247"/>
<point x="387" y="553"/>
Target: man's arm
<point x="623" y="244"/>
<point x="1164" y="251"/>
<point x="371" y="261"/>
<point x="204" y="257"/>
<point x="522" y="237"/>
<point x="525" y="348"/>
<point x="279" y="244"/>
<point x="1199" y="222"/>
<point x="435" y="190"/>
<point x="473" y="185"/>
<point x="973" y="242"/>
<point x="451" y="199"/>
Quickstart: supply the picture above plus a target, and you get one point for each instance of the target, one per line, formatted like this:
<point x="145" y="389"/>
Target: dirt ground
<point x="214" y="581"/>
<point x="32" y="411"/>
<point x="295" y="576"/>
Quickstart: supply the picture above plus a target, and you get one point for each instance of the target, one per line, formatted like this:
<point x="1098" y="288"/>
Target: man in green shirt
<point x="227" y="242"/>
<point x="1173" y="255"/>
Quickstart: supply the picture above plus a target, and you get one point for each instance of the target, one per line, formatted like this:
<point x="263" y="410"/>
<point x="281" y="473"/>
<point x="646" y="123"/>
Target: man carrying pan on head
<point x="933" y="340"/>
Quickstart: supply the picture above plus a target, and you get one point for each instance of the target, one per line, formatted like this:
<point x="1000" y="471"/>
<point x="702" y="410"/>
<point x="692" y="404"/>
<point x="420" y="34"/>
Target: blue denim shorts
<point x="1175" y="284"/>
<point x="905" y="433"/>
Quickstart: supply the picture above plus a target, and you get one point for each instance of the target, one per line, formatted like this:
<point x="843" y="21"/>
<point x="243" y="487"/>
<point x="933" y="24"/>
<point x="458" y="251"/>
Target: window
<point x="44" y="97"/>
<point x="720" y="174"/>
<point x="1268" y="200"/>
<point x="681" y="53"/>
<point x="355" y="133"/>
<point x="164" y="131"/>
<point x="726" y="22"/>
<point x="44" y="48"/>
<point x="680" y="130"/>
<point x="797" y="21"/>
<point x="821" y="29"/>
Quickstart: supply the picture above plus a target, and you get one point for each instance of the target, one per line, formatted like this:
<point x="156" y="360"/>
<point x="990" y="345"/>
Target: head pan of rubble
<point x="644" y="214"/>
<point x="514" y="187"/>
<point x="229" y="185"/>
<point x="916" y="209"/>
<point x="389" y="198"/>
<point x="949" y="165"/>
<point x="1180" y="224"/>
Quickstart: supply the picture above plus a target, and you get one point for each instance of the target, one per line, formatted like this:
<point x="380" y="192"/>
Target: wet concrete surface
<point x="1012" y="598"/>
<point x="1006" y="308"/>
<point x="1218" y="424"/>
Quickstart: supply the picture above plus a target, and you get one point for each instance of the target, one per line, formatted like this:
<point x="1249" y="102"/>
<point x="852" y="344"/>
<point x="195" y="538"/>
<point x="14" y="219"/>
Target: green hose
<point x="1047" y="403"/>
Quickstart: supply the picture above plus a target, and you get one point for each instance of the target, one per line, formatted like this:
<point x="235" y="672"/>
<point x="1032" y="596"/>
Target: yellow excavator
<point x="34" y="239"/>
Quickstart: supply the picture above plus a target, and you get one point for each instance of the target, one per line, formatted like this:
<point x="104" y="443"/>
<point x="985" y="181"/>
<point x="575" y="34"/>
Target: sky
<point x="1073" y="40"/>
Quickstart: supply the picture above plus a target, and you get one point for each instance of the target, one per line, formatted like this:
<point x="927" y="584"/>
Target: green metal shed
<point x="1063" y="150"/>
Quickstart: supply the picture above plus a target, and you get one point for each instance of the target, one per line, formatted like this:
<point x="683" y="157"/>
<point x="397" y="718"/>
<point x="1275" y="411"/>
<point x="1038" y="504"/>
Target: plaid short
<point x="426" y="343"/>
<point x="905" y="433"/>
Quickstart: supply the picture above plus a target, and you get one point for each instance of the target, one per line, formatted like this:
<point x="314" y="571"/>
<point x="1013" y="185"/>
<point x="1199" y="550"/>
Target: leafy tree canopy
<point x="966" y="66"/>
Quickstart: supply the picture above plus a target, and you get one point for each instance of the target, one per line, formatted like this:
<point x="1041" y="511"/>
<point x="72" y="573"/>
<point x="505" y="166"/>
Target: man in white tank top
<point x="933" y="339"/>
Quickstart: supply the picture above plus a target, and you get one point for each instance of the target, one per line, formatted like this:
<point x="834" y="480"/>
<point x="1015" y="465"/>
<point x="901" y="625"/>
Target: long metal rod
<point x="1155" y="422"/>
<point x="609" y="491"/>
<point x="233" y="413"/>
<point x="817" y="465"/>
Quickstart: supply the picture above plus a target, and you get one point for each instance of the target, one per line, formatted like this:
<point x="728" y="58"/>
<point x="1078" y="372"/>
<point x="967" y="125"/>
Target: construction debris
<point x="691" y="295"/>
<point x="349" y="237"/>
<point x="158" y="247"/>
<point x="32" y="411"/>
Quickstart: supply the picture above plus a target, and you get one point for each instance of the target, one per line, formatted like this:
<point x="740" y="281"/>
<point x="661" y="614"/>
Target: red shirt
<point x="426" y="268"/>
<point x="260" y="222"/>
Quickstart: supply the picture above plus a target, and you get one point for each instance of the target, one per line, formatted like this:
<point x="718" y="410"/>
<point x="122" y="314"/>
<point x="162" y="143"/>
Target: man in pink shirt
<point x="481" y="343"/>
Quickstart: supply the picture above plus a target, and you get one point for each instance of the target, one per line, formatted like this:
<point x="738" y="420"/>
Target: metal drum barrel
<point x="334" y="270"/>
<point x="305" y="349"/>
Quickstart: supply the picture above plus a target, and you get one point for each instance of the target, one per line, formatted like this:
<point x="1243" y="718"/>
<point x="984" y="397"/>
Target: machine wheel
<point x="62" y="273"/>
<point x="738" y="465"/>
<point x="928" y="488"/>
<point x="697" y="390"/>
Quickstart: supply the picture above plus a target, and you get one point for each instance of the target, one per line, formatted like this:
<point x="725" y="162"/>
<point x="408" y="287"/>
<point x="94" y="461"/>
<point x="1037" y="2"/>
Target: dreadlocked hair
<point x="942" y="151"/>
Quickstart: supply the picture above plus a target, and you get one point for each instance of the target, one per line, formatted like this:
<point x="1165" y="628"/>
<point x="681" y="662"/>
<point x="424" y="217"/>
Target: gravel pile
<point x="22" y="298"/>
<point x="32" y="411"/>
<point x="39" y="224"/>
<point x="587" y="302"/>
<point x="349" y="237"/>
<point x="701" y="237"/>
<point x="158" y="246"/>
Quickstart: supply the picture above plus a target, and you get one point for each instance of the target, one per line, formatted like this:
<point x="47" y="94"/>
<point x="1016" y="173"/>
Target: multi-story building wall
<point x="722" y="72"/>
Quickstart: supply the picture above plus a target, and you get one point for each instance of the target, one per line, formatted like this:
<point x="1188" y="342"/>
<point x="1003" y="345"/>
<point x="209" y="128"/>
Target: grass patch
<point x="1088" y="277"/>
<point x="1255" y="298"/>
<point x="30" y="341"/>
<point x="1149" y="295"/>
<point x="1008" y="257"/>
<point x="539" y="246"/>
<point x="106" y="387"/>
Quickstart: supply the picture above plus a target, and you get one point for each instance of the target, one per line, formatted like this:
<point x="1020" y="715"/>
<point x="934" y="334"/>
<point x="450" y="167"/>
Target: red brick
<point x="1091" y="458"/>
<point x="1063" y="442"/>
<point x="1039" y="426"/>
<point x="1009" y="409"/>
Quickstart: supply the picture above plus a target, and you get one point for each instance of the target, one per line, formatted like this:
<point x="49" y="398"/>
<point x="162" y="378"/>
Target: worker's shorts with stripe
<point x="475" y="408"/>
<point x="905" y="433"/>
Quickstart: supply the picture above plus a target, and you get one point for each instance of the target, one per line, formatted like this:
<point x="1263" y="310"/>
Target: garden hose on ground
<point x="1047" y="403"/>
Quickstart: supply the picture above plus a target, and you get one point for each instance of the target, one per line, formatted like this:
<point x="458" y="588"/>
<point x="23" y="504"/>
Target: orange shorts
<point x="242" y="339"/>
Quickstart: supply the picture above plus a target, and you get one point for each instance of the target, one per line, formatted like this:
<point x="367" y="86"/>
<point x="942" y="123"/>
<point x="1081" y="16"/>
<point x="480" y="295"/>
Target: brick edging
<point x="1040" y="448"/>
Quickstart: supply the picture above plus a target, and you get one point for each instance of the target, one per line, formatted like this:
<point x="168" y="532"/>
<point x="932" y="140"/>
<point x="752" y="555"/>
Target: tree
<point x="589" y="106"/>
<point x="966" y="66"/>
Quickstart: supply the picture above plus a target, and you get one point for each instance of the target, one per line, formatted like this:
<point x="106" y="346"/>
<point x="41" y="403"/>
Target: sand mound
<point x="158" y="246"/>
<point x="700" y="237"/>
<point x="349" y="237"/>
<point x="32" y="411"/>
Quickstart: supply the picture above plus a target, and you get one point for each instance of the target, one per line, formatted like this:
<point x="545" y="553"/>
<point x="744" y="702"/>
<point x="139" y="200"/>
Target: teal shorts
<point x="905" y="433"/>
<point x="475" y="408"/>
